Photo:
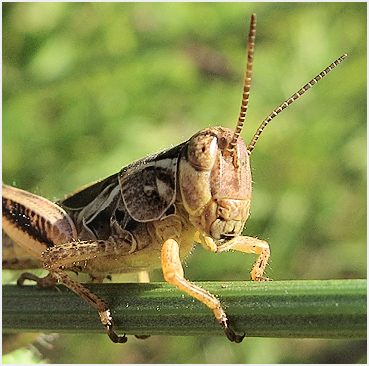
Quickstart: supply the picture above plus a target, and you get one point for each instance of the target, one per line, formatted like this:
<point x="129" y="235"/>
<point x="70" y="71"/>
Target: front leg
<point x="248" y="244"/>
<point x="173" y="273"/>
<point x="245" y="244"/>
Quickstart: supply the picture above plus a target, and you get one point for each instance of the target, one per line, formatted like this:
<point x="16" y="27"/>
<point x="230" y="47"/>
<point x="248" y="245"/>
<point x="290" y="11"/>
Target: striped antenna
<point x="291" y="99"/>
<point x="246" y="85"/>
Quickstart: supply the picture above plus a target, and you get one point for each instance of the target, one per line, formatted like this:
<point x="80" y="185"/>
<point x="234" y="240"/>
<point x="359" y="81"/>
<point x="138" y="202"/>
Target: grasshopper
<point x="148" y="215"/>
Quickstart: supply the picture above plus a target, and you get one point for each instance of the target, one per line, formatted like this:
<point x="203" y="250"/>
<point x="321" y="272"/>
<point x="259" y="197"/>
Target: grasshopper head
<point x="215" y="174"/>
<point x="215" y="182"/>
<point x="214" y="169"/>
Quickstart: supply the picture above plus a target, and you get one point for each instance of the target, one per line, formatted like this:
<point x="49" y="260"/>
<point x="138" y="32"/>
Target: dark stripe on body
<point x="20" y="216"/>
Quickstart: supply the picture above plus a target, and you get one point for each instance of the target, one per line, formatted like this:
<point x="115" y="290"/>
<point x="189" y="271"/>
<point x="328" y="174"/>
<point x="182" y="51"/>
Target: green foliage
<point x="90" y="87"/>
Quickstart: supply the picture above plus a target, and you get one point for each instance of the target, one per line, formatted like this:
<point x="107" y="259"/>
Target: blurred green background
<point x="90" y="87"/>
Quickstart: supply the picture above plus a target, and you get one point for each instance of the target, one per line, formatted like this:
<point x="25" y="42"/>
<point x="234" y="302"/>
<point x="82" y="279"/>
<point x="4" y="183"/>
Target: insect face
<point x="215" y="183"/>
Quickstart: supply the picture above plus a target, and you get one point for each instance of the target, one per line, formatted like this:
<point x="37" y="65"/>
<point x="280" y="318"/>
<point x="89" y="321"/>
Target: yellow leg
<point x="143" y="277"/>
<point x="173" y="273"/>
<point x="247" y="244"/>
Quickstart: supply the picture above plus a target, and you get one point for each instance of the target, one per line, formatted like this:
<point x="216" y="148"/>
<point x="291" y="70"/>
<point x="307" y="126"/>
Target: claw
<point x="231" y="335"/>
<point x="114" y="336"/>
<point x="142" y="336"/>
<point x="106" y="320"/>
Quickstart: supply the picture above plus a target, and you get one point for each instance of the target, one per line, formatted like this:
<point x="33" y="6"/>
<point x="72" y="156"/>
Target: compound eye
<point x="202" y="151"/>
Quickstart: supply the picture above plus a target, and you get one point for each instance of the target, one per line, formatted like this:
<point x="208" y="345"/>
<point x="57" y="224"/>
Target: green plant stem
<point x="309" y="309"/>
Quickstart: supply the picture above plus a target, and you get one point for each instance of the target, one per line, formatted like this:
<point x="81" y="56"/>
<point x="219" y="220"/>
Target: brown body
<point x="211" y="196"/>
<point x="144" y="217"/>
